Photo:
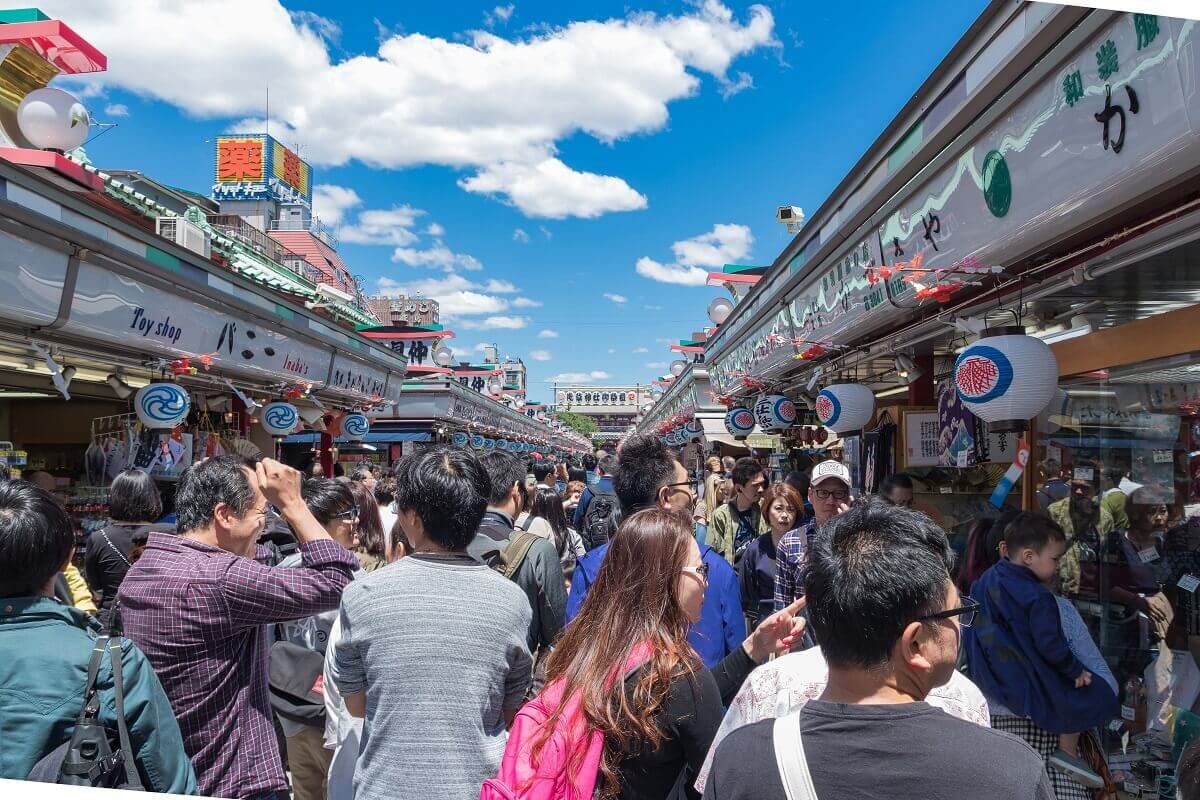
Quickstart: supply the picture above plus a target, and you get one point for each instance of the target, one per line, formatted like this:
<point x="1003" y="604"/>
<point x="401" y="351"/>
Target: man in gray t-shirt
<point x="433" y="651"/>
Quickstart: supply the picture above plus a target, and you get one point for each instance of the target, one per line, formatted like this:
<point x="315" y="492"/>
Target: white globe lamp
<point x="52" y="119"/>
<point x="719" y="310"/>
<point x="677" y="367"/>
<point x="443" y="356"/>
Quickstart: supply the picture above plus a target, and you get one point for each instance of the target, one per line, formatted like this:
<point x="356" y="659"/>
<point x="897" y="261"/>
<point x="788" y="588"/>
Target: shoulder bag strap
<point x="790" y="758"/>
<point x="518" y="548"/>
<point x="91" y="698"/>
<point x="133" y="779"/>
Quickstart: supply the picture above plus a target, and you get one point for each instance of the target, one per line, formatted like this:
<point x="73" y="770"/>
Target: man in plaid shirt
<point x="199" y="605"/>
<point x="829" y="493"/>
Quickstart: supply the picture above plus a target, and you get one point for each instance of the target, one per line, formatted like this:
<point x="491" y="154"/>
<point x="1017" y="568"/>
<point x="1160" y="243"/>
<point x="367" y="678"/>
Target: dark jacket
<point x="106" y="558"/>
<point x="756" y="577"/>
<point x="540" y="576"/>
<point x="44" y="652"/>
<point x="1019" y="656"/>
<point x="604" y="484"/>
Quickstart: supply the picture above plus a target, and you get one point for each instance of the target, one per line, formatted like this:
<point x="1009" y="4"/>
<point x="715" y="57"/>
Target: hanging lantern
<point x="845" y="406"/>
<point x="355" y="427"/>
<point x="494" y="386"/>
<point x="694" y="430"/>
<point x="739" y="422"/>
<point x="806" y="436"/>
<point x="477" y="442"/>
<point x="774" y="413"/>
<point x="820" y="436"/>
<point x="443" y="356"/>
<point x="489" y="444"/>
<point x="1006" y="378"/>
<point x="162" y="406"/>
<point x="460" y="439"/>
<point x="279" y="419"/>
<point x="501" y="444"/>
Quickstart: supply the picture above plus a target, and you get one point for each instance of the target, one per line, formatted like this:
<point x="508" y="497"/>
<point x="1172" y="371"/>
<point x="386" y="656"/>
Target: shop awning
<point x="382" y="437"/>
<point x="715" y="432"/>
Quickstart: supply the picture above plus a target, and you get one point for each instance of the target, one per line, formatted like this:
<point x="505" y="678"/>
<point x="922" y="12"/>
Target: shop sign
<point x="257" y="167"/>
<point x="763" y="441"/>
<point x="419" y="352"/>
<point x="33" y="277"/>
<point x="1102" y="130"/>
<point x="767" y="350"/>
<point x="353" y="377"/>
<point x="142" y="318"/>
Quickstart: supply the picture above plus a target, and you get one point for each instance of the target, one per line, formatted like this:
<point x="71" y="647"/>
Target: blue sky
<point x="522" y="161"/>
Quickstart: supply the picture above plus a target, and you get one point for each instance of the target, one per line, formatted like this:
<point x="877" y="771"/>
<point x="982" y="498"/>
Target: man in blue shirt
<point x="648" y="475"/>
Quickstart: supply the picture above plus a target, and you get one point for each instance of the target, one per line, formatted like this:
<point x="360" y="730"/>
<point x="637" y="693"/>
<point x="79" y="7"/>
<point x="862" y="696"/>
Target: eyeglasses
<point x="350" y="514"/>
<point x="965" y="613"/>
<point x="701" y="570"/>
<point x="836" y="494"/>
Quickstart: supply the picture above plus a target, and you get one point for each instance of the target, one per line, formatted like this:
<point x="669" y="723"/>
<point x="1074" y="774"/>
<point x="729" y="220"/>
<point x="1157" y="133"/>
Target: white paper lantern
<point x="1006" y="378"/>
<point x="693" y="430"/>
<point x="720" y="309"/>
<point x="477" y="442"/>
<point x="845" y="406"/>
<point x="501" y="444"/>
<point x="279" y="419"/>
<point x="460" y="439"/>
<point x="489" y="444"/>
<point x="677" y="367"/>
<point x="739" y="422"/>
<point x="162" y="406"/>
<point x="443" y="356"/>
<point x="355" y="427"/>
<point x="52" y="119"/>
<point x="774" y="413"/>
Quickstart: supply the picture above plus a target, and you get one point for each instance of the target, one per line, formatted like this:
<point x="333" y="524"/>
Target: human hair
<point x="400" y="539"/>
<point x="447" y="487"/>
<point x="1051" y="468"/>
<point x="385" y="491"/>
<point x="326" y="498"/>
<point x="891" y="483"/>
<point x="577" y="474"/>
<point x="634" y="599"/>
<point x="871" y="572"/>
<point x="983" y="547"/>
<point x="712" y="464"/>
<point x="1032" y="530"/>
<point x="221" y="479"/>
<point x="370" y="524"/>
<point x="362" y="473"/>
<point x="800" y="481"/>
<point x="547" y="504"/>
<point x="576" y="486"/>
<point x="503" y="470"/>
<point x="36" y="538"/>
<point x="541" y="471"/>
<point x="644" y="467"/>
<point x="784" y="492"/>
<point x="133" y="497"/>
<point x="589" y="462"/>
<point x="727" y="462"/>
<point x="608" y="465"/>
<point x="746" y="469"/>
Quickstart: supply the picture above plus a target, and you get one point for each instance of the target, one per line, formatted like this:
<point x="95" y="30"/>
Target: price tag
<point x="1163" y="457"/>
<point x="1189" y="583"/>
<point x="1148" y="555"/>
<point x="1129" y="713"/>
<point x="1084" y="474"/>
<point x="947" y="490"/>
<point x="962" y="458"/>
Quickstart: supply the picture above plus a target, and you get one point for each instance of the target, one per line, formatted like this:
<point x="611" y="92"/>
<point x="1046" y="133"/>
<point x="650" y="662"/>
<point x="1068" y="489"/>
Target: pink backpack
<point x="518" y="779"/>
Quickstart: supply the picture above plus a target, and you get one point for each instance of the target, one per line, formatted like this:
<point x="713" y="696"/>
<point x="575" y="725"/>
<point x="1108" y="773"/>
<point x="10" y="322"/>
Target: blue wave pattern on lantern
<point x="477" y="442"/>
<point x="162" y="405"/>
<point x="355" y="426"/>
<point x="489" y="444"/>
<point x="501" y="444"/>
<point x="460" y="439"/>
<point x="279" y="419"/>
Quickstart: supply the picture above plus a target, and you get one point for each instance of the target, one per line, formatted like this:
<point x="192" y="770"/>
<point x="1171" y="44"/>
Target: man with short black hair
<point x="541" y="473"/>
<point x="897" y="490"/>
<point x="432" y="651"/>
<point x="45" y="648"/>
<point x="589" y="462"/>
<point x="648" y="475"/>
<point x="539" y="572"/>
<point x="603" y="487"/>
<point x="199" y="605"/>
<point x="734" y="524"/>
<point x="887" y="616"/>
<point x="829" y="493"/>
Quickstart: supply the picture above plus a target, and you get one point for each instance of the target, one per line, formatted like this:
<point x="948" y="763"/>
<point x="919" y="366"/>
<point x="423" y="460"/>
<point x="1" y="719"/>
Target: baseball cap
<point x="830" y="469"/>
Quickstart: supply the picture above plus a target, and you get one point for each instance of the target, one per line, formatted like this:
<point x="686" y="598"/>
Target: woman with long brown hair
<point x="660" y="720"/>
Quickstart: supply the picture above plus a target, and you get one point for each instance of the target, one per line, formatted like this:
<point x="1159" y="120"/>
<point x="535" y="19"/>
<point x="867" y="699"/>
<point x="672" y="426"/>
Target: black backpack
<point x="601" y="521"/>
<point x="94" y="755"/>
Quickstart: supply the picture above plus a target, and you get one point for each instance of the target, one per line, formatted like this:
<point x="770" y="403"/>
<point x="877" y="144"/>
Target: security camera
<point x="791" y="216"/>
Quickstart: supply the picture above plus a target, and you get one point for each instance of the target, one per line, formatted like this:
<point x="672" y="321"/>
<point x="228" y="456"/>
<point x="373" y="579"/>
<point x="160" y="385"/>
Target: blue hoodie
<point x="721" y="628"/>
<point x="1019" y="656"/>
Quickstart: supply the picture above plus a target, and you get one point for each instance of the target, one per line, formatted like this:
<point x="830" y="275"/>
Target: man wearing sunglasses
<point x="829" y="493"/>
<point x="888" y="618"/>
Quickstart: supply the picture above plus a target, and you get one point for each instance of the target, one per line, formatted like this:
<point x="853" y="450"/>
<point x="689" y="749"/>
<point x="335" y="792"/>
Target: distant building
<point x="405" y="311"/>
<point x="612" y="408"/>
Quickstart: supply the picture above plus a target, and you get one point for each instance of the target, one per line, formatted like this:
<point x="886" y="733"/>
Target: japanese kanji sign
<point x="239" y="160"/>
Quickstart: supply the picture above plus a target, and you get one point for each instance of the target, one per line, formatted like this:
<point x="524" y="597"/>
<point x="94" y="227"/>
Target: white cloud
<point x="501" y="287"/>
<point x="655" y="365"/>
<point x="498" y="15"/>
<point x="546" y="333"/>
<point x="437" y="256"/>
<point x="725" y="243"/>
<point x="525" y="302"/>
<point x="496" y="323"/>
<point x="116" y="110"/>
<point x="579" y="377"/>
<point x="540" y="355"/>
<point x="612" y="350"/>
<point x="520" y="236"/>
<point x="545" y="232"/>
<point x="616" y="298"/>
<point x="408" y="103"/>
<point x="383" y="226"/>
<point x="456" y="296"/>
<point x="653" y="308"/>
<point x="435" y="230"/>
<point x="637" y="350"/>
<point x="331" y="202"/>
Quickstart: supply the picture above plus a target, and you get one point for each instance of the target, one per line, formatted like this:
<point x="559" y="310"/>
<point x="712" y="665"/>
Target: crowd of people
<point x="473" y="625"/>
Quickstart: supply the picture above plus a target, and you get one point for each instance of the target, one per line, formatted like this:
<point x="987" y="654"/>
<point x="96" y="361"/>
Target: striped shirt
<point x="200" y="614"/>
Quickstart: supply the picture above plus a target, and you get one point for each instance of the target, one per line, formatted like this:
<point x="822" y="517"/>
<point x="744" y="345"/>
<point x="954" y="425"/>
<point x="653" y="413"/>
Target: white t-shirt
<point x="785" y="685"/>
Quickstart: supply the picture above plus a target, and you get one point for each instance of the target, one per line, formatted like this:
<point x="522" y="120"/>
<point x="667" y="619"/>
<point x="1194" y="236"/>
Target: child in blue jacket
<point x="1017" y="651"/>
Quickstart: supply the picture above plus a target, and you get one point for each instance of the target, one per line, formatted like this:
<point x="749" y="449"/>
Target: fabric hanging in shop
<point x="956" y="428"/>
<point x="879" y="452"/>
